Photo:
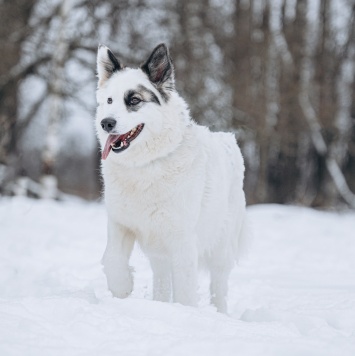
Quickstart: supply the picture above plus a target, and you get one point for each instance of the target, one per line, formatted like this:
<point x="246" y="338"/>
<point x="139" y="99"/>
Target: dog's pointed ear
<point x="159" y="67"/>
<point x="107" y="64"/>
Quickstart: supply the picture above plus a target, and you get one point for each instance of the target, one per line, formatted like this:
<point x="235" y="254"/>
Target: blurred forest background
<point x="280" y="74"/>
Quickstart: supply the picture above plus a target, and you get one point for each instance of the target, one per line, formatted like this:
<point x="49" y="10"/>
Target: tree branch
<point x="20" y="71"/>
<point x="318" y="140"/>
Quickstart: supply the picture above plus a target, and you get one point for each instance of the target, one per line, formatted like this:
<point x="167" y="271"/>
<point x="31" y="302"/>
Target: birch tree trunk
<point x="49" y="180"/>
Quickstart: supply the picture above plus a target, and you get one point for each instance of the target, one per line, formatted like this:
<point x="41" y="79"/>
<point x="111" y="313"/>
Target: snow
<point x="293" y="295"/>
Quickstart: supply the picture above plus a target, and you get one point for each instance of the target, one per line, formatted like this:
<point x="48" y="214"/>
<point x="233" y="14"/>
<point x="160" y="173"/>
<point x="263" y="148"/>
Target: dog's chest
<point x="145" y="197"/>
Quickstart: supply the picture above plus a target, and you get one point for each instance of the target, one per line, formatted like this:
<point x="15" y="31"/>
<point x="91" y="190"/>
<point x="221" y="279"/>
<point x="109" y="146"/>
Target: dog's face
<point x="134" y="121"/>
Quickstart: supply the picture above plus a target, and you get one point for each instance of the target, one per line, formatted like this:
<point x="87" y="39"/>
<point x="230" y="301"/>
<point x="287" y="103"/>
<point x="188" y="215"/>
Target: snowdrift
<point x="293" y="295"/>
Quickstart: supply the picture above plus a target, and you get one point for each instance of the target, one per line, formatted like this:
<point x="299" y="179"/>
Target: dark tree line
<point x="280" y="74"/>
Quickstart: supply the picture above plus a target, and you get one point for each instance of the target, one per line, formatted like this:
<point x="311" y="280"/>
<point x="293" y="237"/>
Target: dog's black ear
<point x="159" y="67"/>
<point x="107" y="64"/>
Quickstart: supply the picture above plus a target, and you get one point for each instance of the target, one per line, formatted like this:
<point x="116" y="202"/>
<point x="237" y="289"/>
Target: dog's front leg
<point x="120" y="243"/>
<point x="184" y="273"/>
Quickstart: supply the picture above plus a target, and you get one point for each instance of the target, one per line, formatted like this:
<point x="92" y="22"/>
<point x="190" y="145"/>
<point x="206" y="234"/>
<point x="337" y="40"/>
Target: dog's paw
<point x="119" y="280"/>
<point x="121" y="286"/>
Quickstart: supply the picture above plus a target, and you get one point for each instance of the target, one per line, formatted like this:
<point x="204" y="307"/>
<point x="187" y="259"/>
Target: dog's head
<point x="139" y="115"/>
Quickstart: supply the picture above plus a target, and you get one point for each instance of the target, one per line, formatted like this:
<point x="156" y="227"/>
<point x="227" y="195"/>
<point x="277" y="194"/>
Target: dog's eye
<point x="109" y="101"/>
<point x="134" y="101"/>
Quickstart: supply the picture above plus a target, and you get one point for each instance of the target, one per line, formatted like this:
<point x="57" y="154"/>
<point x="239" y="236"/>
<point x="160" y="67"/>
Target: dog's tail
<point x="244" y="240"/>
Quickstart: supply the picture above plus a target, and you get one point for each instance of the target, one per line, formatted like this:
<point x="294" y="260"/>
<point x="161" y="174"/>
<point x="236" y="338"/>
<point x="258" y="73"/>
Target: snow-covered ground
<point x="294" y="295"/>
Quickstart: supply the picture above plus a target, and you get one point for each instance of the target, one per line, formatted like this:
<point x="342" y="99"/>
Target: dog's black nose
<point x="108" y="124"/>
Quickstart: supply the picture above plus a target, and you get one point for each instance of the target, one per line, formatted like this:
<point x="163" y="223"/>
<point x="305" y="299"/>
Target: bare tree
<point x="15" y="16"/>
<point x="284" y="84"/>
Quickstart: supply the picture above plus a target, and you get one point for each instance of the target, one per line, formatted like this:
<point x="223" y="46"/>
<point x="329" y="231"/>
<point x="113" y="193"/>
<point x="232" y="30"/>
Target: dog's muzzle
<point x="119" y="143"/>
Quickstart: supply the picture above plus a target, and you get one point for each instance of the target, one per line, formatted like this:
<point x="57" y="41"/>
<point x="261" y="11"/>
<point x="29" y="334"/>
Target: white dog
<point x="171" y="185"/>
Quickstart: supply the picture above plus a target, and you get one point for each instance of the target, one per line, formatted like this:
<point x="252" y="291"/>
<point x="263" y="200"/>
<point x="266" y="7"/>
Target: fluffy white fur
<point x="177" y="191"/>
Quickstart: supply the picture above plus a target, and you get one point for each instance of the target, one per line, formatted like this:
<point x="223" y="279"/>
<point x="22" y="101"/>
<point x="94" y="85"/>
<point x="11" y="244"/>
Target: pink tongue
<point x="107" y="148"/>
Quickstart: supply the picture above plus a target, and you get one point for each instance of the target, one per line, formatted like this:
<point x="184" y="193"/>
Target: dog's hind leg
<point x="161" y="279"/>
<point x="219" y="289"/>
<point x="119" y="277"/>
<point x="184" y="275"/>
<point x="221" y="264"/>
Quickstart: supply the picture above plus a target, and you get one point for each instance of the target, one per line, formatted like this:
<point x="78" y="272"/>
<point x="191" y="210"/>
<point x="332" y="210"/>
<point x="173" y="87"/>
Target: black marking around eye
<point x="127" y="99"/>
<point x="144" y="94"/>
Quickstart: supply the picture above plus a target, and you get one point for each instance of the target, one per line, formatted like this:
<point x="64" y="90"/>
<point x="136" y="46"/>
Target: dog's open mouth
<point x="119" y="143"/>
